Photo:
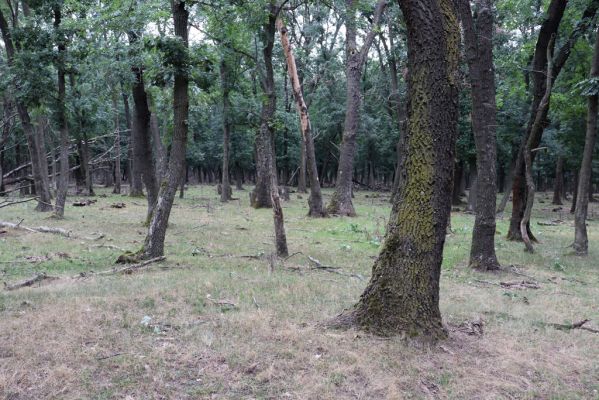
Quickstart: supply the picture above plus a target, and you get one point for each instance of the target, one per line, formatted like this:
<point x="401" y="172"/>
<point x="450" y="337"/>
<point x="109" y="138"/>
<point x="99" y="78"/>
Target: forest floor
<point x="217" y="320"/>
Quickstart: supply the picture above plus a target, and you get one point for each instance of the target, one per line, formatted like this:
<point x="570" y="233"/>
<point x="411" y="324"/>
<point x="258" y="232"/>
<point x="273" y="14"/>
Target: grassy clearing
<point x="83" y="339"/>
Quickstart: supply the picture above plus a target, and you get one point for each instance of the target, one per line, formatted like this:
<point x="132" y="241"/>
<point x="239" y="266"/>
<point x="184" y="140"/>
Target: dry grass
<point x="83" y="339"/>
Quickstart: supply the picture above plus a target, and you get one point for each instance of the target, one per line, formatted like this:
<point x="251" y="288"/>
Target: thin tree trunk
<point x="558" y="184"/>
<point x="473" y="190"/>
<point x="226" y="192"/>
<point x="574" y="193"/>
<point x="341" y="201"/>
<point x="402" y="296"/>
<point x="581" y="241"/>
<point x="507" y="190"/>
<point x="536" y="130"/>
<point x="479" y="52"/>
<point x="316" y="208"/>
<point x="157" y="148"/>
<point x="301" y="178"/>
<point x="154" y="242"/>
<point x="549" y="28"/>
<point x="117" y="146"/>
<point x="61" y="118"/>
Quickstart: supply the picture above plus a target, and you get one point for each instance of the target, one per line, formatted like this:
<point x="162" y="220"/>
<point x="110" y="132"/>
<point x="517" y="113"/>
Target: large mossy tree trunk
<point x="549" y="29"/>
<point x="37" y="151"/>
<point x="61" y="118"/>
<point x="478" y="37"/>
<point x="154" y="242"/>
<point x="141" y="134"/>
<point x="581" y="241"/>
<point x="315" y="203"/>
<point x="341" y="201"/>
<point x="402" y="296"/>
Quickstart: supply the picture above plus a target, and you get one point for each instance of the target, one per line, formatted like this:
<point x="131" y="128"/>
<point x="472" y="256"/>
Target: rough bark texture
<point x="143" y="160"/>
<point x="61" y="118"/>
<point x="581" y="241"/>
<point x="478" y="39"/>
<point x="549" y="28"/>
<point x="37" y="150"/>
<point x="403" y="294"/>
<point x="154" y="243"/>
<point x="225" y="194"/>
<point x="260" y="196"/>
<point x="558" y="184"/>
<point x="341" y="201"/>
<point x="316" y="208"/>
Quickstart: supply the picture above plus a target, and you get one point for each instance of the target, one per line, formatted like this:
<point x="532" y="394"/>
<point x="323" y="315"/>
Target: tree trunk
<point x="301" y="178"/>
<point x="341" y="201"/>
<point x="261" y="195"/>
<point x="507" y="189"/>
<point x="117" y="146"/>
<point x="479" y="52"/>
<point x="535" y="132"/>
<point x="226" y="192"/>
<point x="154" y="243"/>
<point x="157" y="148"/>
<point x="456" y="192"/>
<point x="143" y="161"/>
<point x="581" y="241"/>
<point x="549" y="29"/>
<point x="238" y="178"/>
<point x="472" y="191"/>
<point x="402" y="296"/>
<point x="61" y="118"/>
<point x="558" y="184"/>
<point x="36" y="149"/>
<point x="316" y="208"/>
<point x="133" y="175"/>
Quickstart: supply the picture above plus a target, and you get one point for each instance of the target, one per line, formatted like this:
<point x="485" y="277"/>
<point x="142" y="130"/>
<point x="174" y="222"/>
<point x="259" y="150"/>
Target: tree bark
<point x="581" y="241"/>
<point x="117" y="146"/>
<point x="341" y="201"/>
<point x="226" y="192"/>
<point x="143" y="160"/>
<point x="549" y="28"/>
<point x="456" y="193"/>
<point x="61" y="118"/>
<point x="535" y="132"/>
<point x="478" y="39"/>
<point x="316" y="208"/>
<point x="261" y="195"/>
<point x="558" y="183"/>
<point x="154" y="242"/>
<point x="157" y="148"/>
<point x="301" y="178"/>
<point x="133" y="175"/>
<point x="403" y="294"/>
<point x="507" y="189"/>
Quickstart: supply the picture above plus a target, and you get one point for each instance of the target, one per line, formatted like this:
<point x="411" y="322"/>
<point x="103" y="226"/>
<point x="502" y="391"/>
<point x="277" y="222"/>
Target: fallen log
<point x="29" y="282"/>
<point x="47" y="229"/>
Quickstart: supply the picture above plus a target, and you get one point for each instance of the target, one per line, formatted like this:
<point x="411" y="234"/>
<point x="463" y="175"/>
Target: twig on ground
<point x="129" y="269"/>
<point x="12" y="203"/>
<point x="47" y="229"/>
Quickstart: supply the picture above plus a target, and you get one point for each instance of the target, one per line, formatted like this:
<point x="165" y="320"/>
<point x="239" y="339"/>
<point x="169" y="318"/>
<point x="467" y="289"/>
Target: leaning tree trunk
<point x="341" y="201"/>
<point x="558" y="184"/>
<point x="36" y="149"/>
<point x="225" y="194"/>
<point x="536" y="130"/>
<point x="403" y="294"/>
<point x="143" y="160"/>
<point x="581" y="241"/>
<point x="507" y="190"/>
<point x="61" y="118"/>
<point x="479" y="52"/>
<point x="316" y="208"/>
<point x="549" y="28"/>
<point x="154" y="242"/>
